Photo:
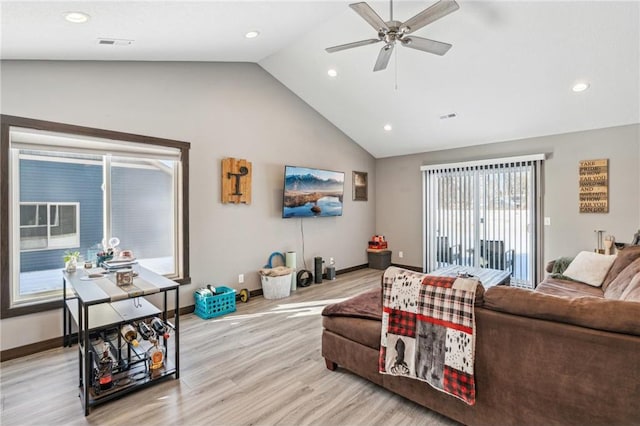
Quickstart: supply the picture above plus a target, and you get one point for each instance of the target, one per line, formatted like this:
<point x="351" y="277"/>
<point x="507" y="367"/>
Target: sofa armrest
<point x="592" y="312"/>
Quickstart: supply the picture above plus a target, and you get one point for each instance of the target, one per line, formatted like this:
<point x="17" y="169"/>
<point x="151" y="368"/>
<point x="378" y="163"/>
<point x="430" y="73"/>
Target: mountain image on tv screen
<point x="312" y="192"/>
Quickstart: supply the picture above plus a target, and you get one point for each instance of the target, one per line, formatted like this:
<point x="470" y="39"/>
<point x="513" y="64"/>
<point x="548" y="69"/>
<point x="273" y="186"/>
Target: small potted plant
<point x="71" y="260"/>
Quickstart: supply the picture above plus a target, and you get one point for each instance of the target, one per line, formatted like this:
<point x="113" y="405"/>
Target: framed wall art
<point x="593" y="182"/>
<point x="360" y="186"/>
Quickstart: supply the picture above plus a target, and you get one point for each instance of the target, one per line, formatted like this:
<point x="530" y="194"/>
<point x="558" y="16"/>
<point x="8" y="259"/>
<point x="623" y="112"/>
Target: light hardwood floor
<point x="258" y="366"/>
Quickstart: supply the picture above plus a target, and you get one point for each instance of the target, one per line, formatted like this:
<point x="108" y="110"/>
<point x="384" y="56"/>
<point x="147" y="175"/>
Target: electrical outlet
<point x="547" y="221"/>
<point x="240" y="278"/>
<point x="400" y="254"/>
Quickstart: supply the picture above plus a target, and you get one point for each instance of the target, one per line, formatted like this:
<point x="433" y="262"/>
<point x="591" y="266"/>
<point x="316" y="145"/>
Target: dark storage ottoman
<point x="379" y="259"/>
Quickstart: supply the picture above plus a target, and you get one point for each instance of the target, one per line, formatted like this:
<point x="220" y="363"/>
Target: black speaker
<point x="318" y="269"/>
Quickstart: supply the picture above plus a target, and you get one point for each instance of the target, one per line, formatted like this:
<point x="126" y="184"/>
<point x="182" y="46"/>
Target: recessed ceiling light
<point x="580" y="87"/>
<point x="332" y="72"/>
<point x="76" y="17"/>
<point x="388" y="127"/>
<point x="252" y="34"/>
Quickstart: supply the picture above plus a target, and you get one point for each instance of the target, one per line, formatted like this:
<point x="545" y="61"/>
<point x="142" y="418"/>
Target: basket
<point x="276" y="287"/>
<point x="214" y="306"/>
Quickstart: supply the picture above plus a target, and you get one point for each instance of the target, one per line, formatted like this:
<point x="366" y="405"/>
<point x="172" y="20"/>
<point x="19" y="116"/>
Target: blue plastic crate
<point x="214" y="306"/>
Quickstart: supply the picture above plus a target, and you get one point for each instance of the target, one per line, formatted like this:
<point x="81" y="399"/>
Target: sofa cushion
<point x="358" y="318"/>
<point x="592" y="312"/>
<point x="632" y="292"/>
<point x="569" y="289"/>
<point x="589" y="267"/>
<point x="360" y="330"/>
<point x="622" y="280"/>
<point x="623" y="258"/>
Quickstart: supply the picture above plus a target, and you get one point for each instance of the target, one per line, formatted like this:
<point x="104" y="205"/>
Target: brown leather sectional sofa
<point x="564" y="354"/>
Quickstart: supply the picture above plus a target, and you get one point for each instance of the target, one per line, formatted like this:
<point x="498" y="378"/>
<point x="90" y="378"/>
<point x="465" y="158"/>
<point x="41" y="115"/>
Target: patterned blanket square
<point x="401" y="293"/>
<point x="382" y="358"/>
<point x="402" y="364"/>
<point x="449" y="305"/>
<point x="433" y="281"/>
<point x="460" y="383"/>
<point x="401" y="323"/>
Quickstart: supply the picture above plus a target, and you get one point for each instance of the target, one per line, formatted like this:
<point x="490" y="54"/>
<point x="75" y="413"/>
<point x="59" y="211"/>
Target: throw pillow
<point x="589" y="267"/>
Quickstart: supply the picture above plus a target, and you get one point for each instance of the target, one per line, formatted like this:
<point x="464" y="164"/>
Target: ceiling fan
<point x="392" y="31"/>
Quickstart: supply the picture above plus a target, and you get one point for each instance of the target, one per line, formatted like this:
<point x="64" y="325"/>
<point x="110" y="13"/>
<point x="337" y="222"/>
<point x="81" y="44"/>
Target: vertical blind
<point x="484" y="214"/>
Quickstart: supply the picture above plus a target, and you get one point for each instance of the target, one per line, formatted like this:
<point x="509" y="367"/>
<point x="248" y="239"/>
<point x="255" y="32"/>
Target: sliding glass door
<point x="483" y="214"/>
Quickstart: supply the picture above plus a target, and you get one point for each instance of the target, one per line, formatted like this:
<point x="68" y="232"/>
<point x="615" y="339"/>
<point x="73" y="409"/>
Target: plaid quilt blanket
<point x="428" y="330"/>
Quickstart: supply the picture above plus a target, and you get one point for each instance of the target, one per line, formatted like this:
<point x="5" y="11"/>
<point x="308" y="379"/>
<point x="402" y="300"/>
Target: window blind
<point x="484" y="214"/>
<point x="30" y="139"/>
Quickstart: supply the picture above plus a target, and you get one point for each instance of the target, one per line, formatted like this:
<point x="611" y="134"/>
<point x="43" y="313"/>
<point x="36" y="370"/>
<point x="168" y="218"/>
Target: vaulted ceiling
<point x="509" y="74"/>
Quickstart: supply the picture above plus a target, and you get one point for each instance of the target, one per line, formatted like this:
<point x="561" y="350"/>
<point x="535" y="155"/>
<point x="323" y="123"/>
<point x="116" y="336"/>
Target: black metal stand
<point x="113" y="309"/>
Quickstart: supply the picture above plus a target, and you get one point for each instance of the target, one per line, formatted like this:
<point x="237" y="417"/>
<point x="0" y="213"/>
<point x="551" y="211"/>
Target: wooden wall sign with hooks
<point x="236" y="181"/>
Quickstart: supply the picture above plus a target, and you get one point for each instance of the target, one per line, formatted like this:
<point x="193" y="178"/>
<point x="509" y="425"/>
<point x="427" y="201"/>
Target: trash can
<point x="379" y="259"/>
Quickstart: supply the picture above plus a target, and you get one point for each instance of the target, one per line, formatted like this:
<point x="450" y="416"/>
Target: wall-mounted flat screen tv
<point x="312" y="192"/>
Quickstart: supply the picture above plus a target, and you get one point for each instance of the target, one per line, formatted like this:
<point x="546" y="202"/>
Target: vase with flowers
<point x="71" y="260"/>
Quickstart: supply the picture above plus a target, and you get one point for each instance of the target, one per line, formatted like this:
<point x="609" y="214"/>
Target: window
<point x="484" y="215"/>
<point x="46" y="226"/>
<point x="74" y="189"/>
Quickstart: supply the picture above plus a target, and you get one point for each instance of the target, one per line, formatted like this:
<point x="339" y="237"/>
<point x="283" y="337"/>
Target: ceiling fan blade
<point x="383" y="57"/>
<point x="429" y="15"/>
<point x="350" y="45"/>
<point x="369" y="15"/>
<point x="426" y="45"/>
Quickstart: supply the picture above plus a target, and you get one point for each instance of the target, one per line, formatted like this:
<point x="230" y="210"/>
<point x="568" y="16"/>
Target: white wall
<point x="224" y="110"/>
<point x="399" y="189"/>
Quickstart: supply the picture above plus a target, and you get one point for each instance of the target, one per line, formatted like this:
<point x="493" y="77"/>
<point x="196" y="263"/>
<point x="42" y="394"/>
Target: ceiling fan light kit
<point x="392" y="31"/>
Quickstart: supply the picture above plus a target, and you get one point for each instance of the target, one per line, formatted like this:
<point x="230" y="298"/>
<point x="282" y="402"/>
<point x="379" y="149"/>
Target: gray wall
<point x="224" y="110"/>
<point x="399" y="189"/>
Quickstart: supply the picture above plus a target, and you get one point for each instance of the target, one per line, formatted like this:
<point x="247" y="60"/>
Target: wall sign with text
<point x="594" y="186"/>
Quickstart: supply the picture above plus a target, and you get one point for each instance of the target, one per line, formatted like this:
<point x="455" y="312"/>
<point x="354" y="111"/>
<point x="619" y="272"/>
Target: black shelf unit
<point x="98" y="308"/>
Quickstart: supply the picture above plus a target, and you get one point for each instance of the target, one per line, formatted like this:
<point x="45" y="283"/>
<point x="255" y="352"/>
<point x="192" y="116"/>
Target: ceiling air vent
<point x="448" y="116"/>
<point x="115" y="41"/>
